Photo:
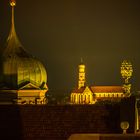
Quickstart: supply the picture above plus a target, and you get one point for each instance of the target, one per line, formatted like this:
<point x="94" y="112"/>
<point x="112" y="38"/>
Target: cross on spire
<point x="81" y="60"/>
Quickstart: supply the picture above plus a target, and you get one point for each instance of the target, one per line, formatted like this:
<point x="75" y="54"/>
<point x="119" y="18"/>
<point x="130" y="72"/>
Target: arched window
<point x="74" y="98"/>
<point x="79" y="99"/>
<point x="89" y="98"/>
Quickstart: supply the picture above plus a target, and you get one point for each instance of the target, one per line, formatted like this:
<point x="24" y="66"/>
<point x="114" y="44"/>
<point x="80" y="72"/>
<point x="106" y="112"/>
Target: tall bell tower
<point x="81" y="80"/>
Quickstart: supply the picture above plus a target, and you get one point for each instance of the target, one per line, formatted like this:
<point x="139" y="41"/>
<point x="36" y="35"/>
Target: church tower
<point x="81" y="80"/>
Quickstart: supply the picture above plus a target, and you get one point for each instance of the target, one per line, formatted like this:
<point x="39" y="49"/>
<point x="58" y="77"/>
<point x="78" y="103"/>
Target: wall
<point x="57" y="122"/>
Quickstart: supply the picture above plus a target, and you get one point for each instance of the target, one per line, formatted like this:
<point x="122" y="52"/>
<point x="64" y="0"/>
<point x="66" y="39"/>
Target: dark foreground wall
<point x="57" y="122"/>
<point x="10" y="123"/>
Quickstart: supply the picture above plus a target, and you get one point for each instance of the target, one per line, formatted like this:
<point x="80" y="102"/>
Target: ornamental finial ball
<point x="12" y="3"/>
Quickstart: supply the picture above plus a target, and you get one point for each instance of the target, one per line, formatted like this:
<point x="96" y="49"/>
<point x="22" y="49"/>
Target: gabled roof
<point x="101" y="89"/>
<point x="80" y="90"/>
<point x="29" y="86"/>
<point x="106" y="89"/>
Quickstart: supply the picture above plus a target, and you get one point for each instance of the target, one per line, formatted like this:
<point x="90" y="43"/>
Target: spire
<point x="81" y="60"/>
<point x="13" y="4"/>
<point x="12" y="34"/>
<point x="14" y="47"/>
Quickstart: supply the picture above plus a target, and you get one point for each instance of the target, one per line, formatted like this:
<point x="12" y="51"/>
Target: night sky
<point x="60" y="32"/>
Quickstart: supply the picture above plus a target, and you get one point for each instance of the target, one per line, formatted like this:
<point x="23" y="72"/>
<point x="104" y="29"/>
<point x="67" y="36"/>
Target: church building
<point x="91" y="94"/>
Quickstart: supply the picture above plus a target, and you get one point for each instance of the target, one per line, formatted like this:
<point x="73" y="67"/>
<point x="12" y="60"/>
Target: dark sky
<point x="60" y="32"/>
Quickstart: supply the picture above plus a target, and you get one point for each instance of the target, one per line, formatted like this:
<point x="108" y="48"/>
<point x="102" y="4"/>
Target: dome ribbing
<point x="19" y="66"/>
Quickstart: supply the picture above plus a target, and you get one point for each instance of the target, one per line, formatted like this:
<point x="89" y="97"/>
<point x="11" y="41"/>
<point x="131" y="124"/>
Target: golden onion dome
<point x="19" y="67"/>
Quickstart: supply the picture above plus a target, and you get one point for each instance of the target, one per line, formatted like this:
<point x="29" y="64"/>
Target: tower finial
<point x="81" y="60"/>
<point x="12" y="38"/>
<point x="13" y="32"/>
<point x="13" y="3"/>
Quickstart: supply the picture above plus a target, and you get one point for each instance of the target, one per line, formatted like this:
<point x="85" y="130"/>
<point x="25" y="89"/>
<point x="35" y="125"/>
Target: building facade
<point x="91" y="94"/>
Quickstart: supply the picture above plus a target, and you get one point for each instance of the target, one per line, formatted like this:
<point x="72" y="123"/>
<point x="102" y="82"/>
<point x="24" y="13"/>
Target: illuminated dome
<point x="19" y="67"/>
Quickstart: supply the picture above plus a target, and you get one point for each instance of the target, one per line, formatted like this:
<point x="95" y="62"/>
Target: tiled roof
<point x="101" y="89"/>
<point x="80" y="90"/>
<point x="106" y="89"/>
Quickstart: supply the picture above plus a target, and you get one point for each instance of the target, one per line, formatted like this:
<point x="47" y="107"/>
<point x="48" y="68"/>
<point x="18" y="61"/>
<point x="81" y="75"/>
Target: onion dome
<point x="20" y="67"/>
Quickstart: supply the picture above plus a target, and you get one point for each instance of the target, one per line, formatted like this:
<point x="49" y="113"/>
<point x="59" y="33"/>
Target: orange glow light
<point x="13" y="2"/>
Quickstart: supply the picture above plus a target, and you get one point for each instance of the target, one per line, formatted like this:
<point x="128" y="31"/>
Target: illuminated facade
<point x="23" y="77"/>
<point x="91" y="94"/>
<point x="82" y="95"/>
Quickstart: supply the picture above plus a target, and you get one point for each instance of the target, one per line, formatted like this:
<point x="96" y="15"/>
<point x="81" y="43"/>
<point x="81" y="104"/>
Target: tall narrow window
<point x="85" y="98"/>
<point x="74" y="98"/>
<point x="89" y="98"/>
<point x="79" y="99"/>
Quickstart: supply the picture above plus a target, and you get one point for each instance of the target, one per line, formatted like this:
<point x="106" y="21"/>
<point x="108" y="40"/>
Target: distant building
<point x="23" y="77"/>
<point x="91" y="94"/>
